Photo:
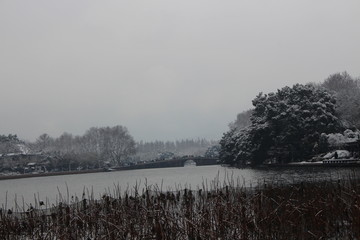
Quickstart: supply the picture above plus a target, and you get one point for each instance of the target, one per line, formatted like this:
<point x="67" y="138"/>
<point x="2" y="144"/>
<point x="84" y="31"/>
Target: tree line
<point x="291" y="124"/>
<point x="159" y="149"/>
<point x="98" y="147"/>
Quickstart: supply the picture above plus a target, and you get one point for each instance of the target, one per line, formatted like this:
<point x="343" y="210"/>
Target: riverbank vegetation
<point x="294" y="123"/>
<point x="98" y="148"/>
<point x="308" y="210"/>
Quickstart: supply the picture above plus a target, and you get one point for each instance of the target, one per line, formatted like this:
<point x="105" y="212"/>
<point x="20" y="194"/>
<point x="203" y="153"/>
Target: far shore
<point x="46" y="174"/>
<point x="288" y="165"/>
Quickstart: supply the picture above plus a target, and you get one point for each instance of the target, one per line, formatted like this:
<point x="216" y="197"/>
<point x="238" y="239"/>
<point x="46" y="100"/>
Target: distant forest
<point x="97" y="148"/>
<point x="294" y="123"/>
<point x="159" y="149"/>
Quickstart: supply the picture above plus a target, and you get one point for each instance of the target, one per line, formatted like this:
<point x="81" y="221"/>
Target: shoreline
<point x="311" y="164"/>
<point x="264" y="166"/>
<point x="47" y="174"/>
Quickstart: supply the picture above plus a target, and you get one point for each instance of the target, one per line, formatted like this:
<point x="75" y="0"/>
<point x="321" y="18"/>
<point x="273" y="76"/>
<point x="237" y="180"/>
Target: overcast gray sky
<point x="164" y="69"/>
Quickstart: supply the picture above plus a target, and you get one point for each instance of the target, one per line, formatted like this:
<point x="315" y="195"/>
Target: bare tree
<point x="118" y="144"/>
<point x="113" y="144"/>
<point x="347" y="92"/>
<point x="44" y="143"/>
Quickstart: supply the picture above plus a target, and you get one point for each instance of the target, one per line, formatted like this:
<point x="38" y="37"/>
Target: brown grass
<point x="311" y="210"/>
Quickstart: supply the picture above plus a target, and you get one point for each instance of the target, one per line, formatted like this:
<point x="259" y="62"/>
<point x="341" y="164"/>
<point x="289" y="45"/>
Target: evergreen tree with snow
<point x="285" y="127"/>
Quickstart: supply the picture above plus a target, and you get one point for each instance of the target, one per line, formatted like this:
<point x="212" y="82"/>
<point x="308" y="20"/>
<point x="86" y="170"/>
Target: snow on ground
<point x="340" y="153"/>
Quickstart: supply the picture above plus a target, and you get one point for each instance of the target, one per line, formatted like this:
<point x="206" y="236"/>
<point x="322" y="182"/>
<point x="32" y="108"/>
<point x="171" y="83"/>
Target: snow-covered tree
<point x="96" y="146"/>
<point x="9" y="144"/>
<point x="285" y="126"/>
<point x="337" y="140"/>
<point x="212" y="152"/>
<point x="242" y="120"/>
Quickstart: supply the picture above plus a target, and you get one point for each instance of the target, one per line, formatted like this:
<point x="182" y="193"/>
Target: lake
<point x="54" y="189"/>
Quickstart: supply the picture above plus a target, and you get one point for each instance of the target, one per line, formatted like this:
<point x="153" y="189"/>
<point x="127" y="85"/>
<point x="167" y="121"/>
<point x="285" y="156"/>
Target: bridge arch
<point x="190" y="162"/>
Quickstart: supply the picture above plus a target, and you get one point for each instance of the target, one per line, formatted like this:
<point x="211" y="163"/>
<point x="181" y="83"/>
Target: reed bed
<point x="308" y="210"/>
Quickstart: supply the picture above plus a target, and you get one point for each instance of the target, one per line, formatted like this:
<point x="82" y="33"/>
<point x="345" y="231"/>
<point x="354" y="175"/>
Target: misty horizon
<point x="165" y="71"/>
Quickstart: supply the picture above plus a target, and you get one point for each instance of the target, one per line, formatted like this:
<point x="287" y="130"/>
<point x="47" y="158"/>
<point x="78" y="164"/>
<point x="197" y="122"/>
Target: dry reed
<point x="308" y="210"/>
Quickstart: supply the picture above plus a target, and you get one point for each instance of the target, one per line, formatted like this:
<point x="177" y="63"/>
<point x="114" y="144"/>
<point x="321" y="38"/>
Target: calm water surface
<point x="50" y="188"/>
